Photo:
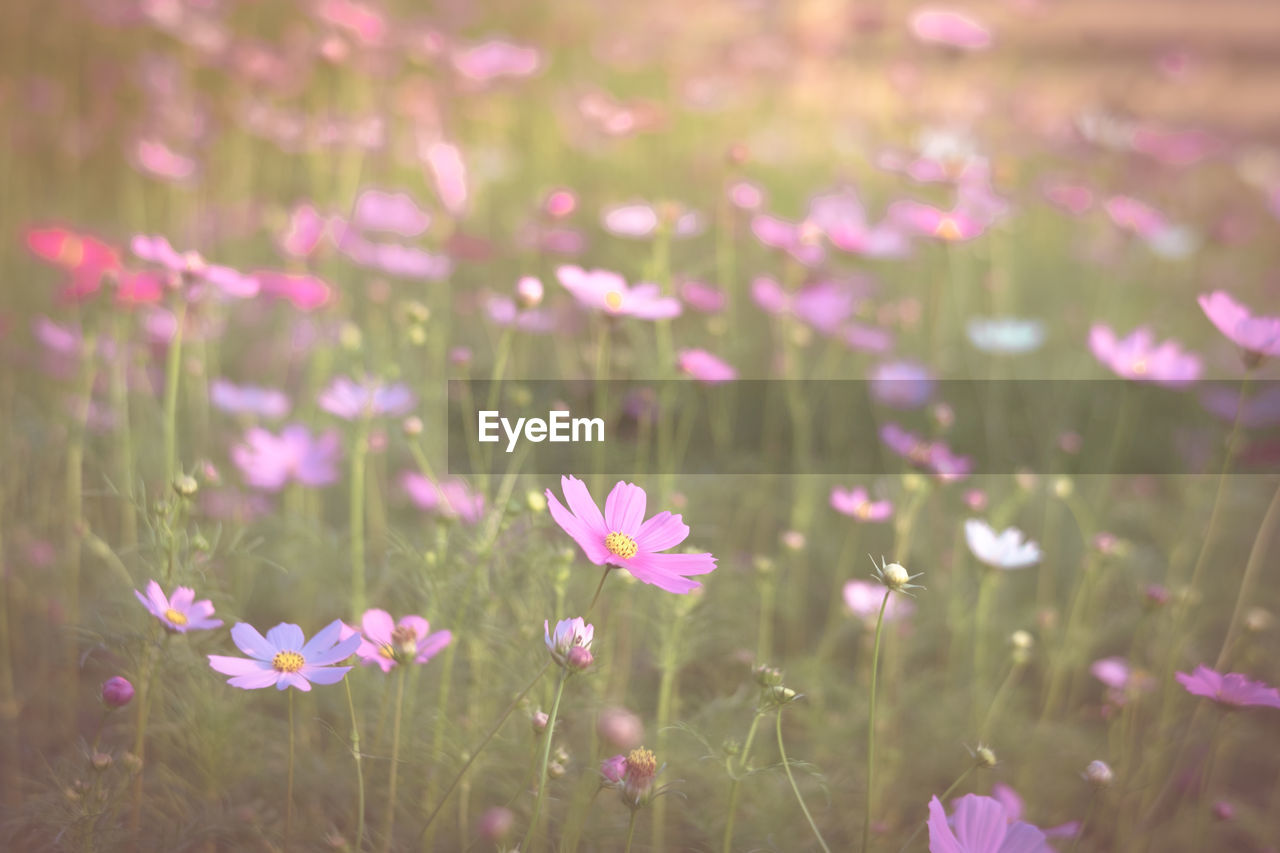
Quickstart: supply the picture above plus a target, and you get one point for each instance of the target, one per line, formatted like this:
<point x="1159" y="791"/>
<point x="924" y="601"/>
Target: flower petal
<point x="236" y="666"/>
<point x="581" y="504"/>
<point x="624" y="508"/>
<point x="941" y="838"/>
<point x="255" y="680"/>
<point x="323" y="640"/>
<point x="287" y="637"/>
<point x="590" y="541"/>
<point x="323" y="674"/>
<point x="343" y="650"/>
<point x="377" y="625"/>
<point x="980" y="823"/>
<point x="293" y="679"/>
<point x="661" y="532"/>
<point x="249" y="641"/>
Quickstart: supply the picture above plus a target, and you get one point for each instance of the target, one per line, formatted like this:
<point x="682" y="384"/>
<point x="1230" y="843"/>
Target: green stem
<point x="1084" y="824"/>
<point x="631" y="830"/>
<point x="871" y="724"/>
<point x="355" y="753"/>
<point x="288" y="796"/>
<point x="471" y="760"/>
<point x="990" y="718"/>
<point x="786" y="765"/>
<point x="172" y="376"/>
<point x="544" y="760"/>
<point x="389" y="821"/>
<point x="357" y="518"/>
<point x="1257" y="556"/>
<point x="982" y="619"/>
<point x="735" y="784"/>
<point x="603" y="576"/>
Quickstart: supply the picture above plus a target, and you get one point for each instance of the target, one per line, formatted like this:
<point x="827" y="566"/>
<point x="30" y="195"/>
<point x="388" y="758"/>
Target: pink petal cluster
<point x="705" y="367"/>
<point x="1233" y="689"/>
<point x="1138" y="357"/>
<point x="981" y="825"/>
<point x="449" y="498"/>
<point x="857" y="503"/>
<point x="269" y="461"/>
<point x="621" y="537"/>
<point x="608" y="292"/>
<point x="179" y="613"/>
<point x="1258" y="336"/>
<point x="386" y="643"/>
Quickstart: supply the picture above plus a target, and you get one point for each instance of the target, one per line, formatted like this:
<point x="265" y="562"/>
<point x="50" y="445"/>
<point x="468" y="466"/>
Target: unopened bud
<point x="496" y="823"/>
<point x="985" y="757"/>
<point x="100" y="761"/>
<point x="529" y="292"/>
<point x="1099" y="774"/>
<point x="185" y="485"/>
<point x="580" y="658"/>
<point x="117" y="692"/>
<point x="767" y="676"/>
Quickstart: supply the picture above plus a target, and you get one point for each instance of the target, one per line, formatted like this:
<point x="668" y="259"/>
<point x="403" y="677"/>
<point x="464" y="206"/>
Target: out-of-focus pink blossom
<point x="705" y="367"/>
<point x="448" y="498"/>
<point x="950" y="28"/>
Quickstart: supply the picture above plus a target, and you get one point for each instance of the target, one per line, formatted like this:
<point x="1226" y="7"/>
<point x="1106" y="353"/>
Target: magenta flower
<point x="608" y="292"/>
<point x="495" y="58"/>
<point x="301" y="236"/>
<point x="117" y="692"/>
<point x="1232" y="690"/>
<point x="1013" y="808"/>
<point x="1135" y="216"/>
<point x="703" y="297"/>
<point x="449" y="174"/>
<point x="348" y="399"/>
<point x="387" y="644"/>
<point x="181" y="613"/>
<point x="1257" y="336"/>
<point x="268" y="461"/>
<point x="705" y="367"/>
<point x="306" y="292"/>
<point x="192" y="269"/>
<point x="613" y="769"/>
<point x="950" y="28"/>
<point x="933" y="456"/>
<point x="823" y="305"/>
<point x="570" y="635"/>
<point x="856" y="503"/>
<point x="620" y="537"/>
<point x="284" y="658"/>
<point x="1137" y="357"/>
<point x="449" y="498"/>
<point x="981" y="825"/>
<point x="504" y="311"/>
<point x="248" y="399"/>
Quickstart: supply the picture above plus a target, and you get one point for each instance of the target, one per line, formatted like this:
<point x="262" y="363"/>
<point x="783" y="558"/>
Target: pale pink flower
<point x="950" y="28"/>
<point x="705" y="367"/>
<point x="609" y="293"/>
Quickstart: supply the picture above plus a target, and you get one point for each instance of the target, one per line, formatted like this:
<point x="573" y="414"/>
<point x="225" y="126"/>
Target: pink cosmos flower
<point x="705" y="367"/>
<point x="620" y="537"/>
<point x="1233" y="689"/>
<point x="569" y="635"/>
<point x="703" y="297"/>
<point x="949" y="28"/>
<point x="284" y="658"/>
<point x="823" y="305"/>
<point x="1073" y="198"/>
<point x="843" y="219"/>
<point x="1257" y="336"/>
<point x="306" y="292"/>
<point x="640" y="220"/>
<point x="863" y="598"/>
<point x="248" y="399"/>
<point x="396" y="213"/>
<point x="1133" y="215"/>
<point x="449" y="498"/>
<point x="1138" y="357"/>
<point x="933" y="456"/>
<point x="955" y="226"/>
<point x="981" y="825"/>
<point x="387" y="643"/>
<point x="608" y="292"/>
<point x="496" y="58"/>
<point x="192" y="270"/>
<point x="449" y="173"/>
<point x="504" y="311"/>
<point x="348" y="399"/>
<point x="614" y="769"/>
<point x="180" y="613"/>
<point x="801" y="240"/>
<point x="157" y="159"/>
<point x="268" y="461"/>
<point x="302" y="234"/>
<point x="856" y="503"/>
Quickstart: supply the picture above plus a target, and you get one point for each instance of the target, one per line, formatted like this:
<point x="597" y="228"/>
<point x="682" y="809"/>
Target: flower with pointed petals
<point x="1009" y="549"/>
<point x="1232" y="690"/>
<point x="1013" y="808"/>
<point x="620" y="536"/>
<point x="705" y="367"/>
<point x="856" y="503"/>
<point x="268" y="461"/>
<point x="1257" y="336"/>
<point x="981" y="825"/>
<point x="386" y="643"/>
<point x="181" y="612"/>
<point x="496" y="58"/>
<point x="609" y="293"/>
<point x="348" y="399"/>
<point x="1137" y="357"/>
<point x="284" y="658"/>
<point x="570" y="634"/>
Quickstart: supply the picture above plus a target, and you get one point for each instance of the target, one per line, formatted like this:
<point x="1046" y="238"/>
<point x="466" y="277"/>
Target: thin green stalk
<point x="288" y="795"/>
<point x="786" y="765"/>
<point x="871" y="724"/>
<point x="945" y="794"/>
<point x="355" y="753"/>
<point x="356" y="520"/>
<point x="603" y="577"/>
<point x="172" y="376"/>
<point x="1084" y="824"/>
<point x="736" y="780"/>
<point x="631" y="830"/>
<point x="389" y="821"/>
<point x="544" y="760"/>
<point x="475" y="754"/>
<point x="1257" y="556"/>
<point x="982" y="619"/>
<point x="140" y="733"/>
<point x="1005" y="685"/>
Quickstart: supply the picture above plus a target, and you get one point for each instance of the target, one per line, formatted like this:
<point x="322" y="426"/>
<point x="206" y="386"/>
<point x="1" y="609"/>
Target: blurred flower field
<point x="258" y="592"/>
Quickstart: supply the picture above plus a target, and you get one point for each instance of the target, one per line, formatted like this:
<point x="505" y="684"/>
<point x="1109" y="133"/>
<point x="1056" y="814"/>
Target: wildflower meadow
<point x="731" y="425"/>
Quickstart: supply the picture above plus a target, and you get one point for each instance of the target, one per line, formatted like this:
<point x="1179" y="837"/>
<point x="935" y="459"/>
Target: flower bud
<point x="895" y="576"/>
<point x="185" y="485"/>
<point x="117" y="692"/>
<point x="131" y="762"/>
<point x="613" y="769"/>
<point x="539" y="721"/>
<point x="580" y="658"/>
<point x="1099" y="774"/>
<point x="1224" y="811"/>
<point x="100" y="761"/>
<point x="496" y="823"/>
<point x="529" y="292"/>
<point x="412" y="425"/>
<point x="985" y="757"/>
<point x="1156" y="596"/>
<point x="767" y="676"/>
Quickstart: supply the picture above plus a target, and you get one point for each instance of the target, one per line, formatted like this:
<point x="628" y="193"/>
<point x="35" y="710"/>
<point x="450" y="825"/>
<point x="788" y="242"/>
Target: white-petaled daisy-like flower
<point x="1009" y="549"/>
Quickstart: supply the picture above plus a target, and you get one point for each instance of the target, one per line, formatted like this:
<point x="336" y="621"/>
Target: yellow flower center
<point x="175" y="617"/>
<point x="613" y="299"/>
<point x="1140" y="367"/>
<point x="387" y="652"/>
<point x="863" y="510"/>
<point x="71" y="252"/>
<point x="287" y="662"/>
<point x="948" y="229"/>
<point x="621" y="545"/>
<point x="642" y="765"/>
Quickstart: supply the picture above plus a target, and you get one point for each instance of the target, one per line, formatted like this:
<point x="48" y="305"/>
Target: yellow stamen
<point x="1140" y="367"/>
<point x="71" y="252"/>
<point x="175" y="617"/>
<point x="287" y="662"/>
<point x="387" y="652"/>
<point x="948" y="229"/>
<point x="641" y="764"/>
<point x="613" y="299"/>
<point x="621" y="545"/>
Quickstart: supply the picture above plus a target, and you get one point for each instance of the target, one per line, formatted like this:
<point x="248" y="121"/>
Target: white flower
<point x="569" y="633"/>
<point x="1008" y="550"/>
